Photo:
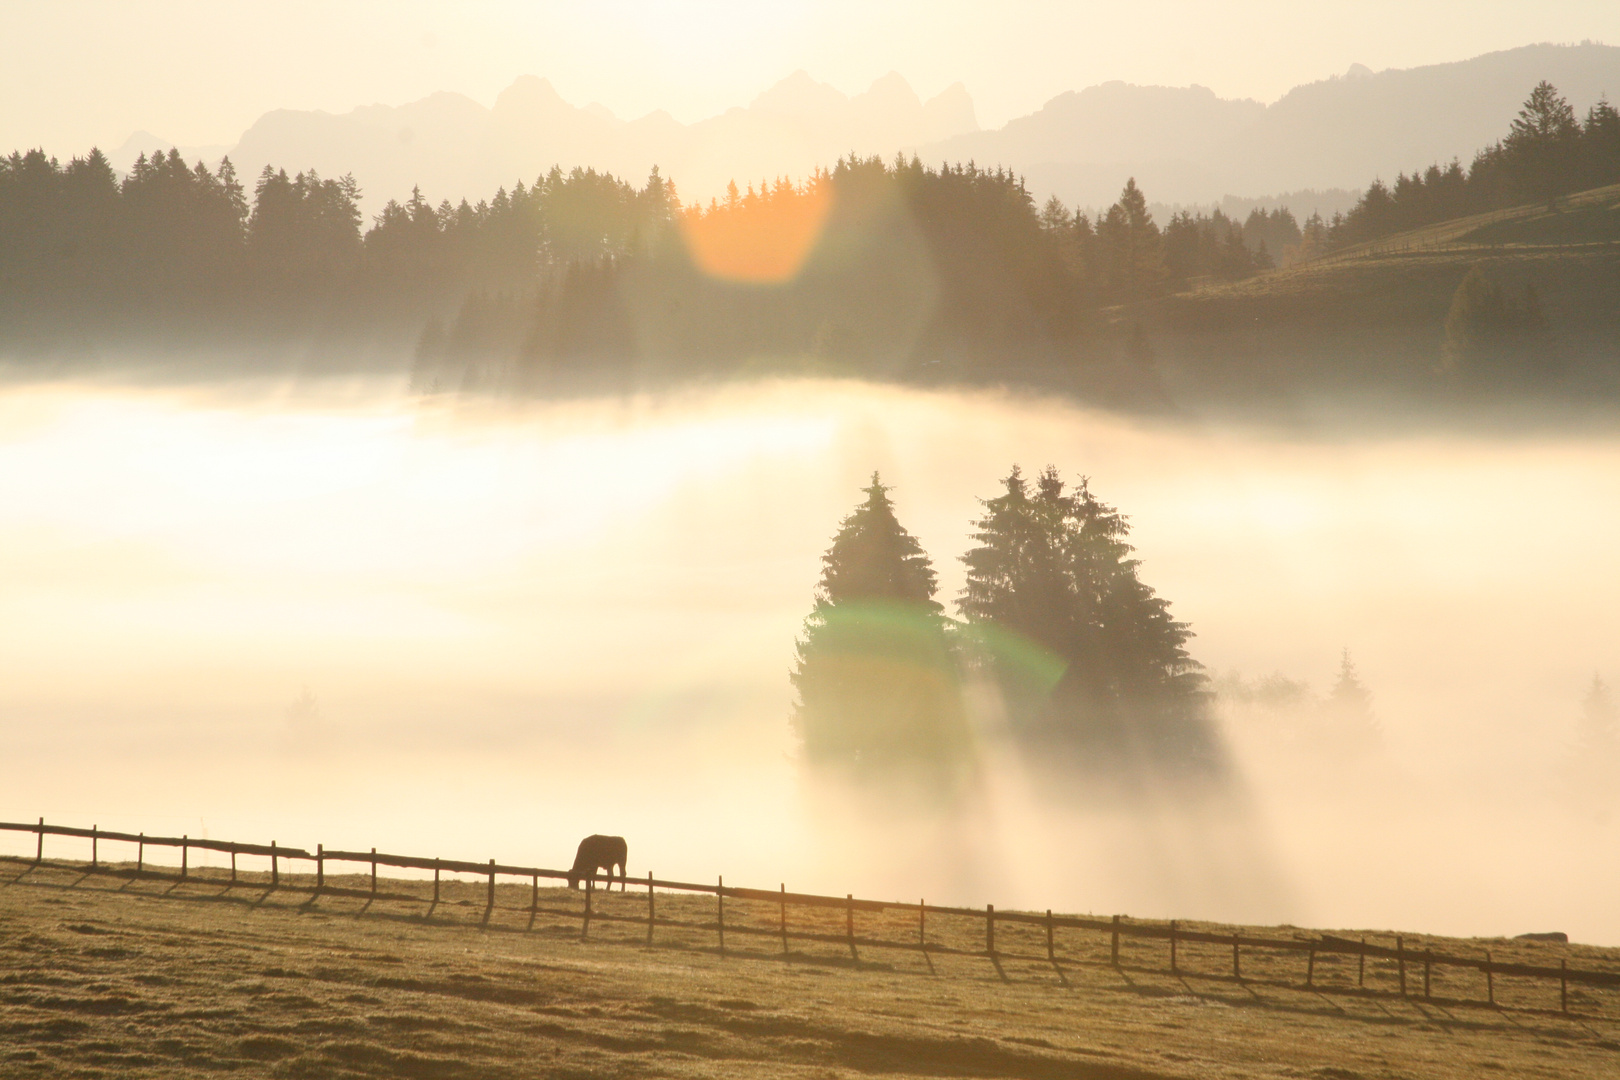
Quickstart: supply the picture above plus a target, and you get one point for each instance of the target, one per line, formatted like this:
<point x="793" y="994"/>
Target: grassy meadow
<point x="105" y="974"/>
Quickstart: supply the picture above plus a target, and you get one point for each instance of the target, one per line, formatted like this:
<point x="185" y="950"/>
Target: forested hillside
<point x="1548" y="152"/>
<point x="582" y="281"/>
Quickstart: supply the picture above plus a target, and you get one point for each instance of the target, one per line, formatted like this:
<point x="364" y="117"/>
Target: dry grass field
<point x="106" y="975"/>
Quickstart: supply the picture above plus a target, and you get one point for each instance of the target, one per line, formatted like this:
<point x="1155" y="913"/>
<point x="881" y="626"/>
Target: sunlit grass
<point x="152" y="978"/>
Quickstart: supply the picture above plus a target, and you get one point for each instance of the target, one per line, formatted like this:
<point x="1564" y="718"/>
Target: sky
<point x="81" y="73"/>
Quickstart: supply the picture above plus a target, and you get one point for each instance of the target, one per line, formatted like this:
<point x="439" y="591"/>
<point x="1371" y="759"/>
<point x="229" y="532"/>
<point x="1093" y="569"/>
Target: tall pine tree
<point x="876" y="678"/>
<point x="1543" y="145"/>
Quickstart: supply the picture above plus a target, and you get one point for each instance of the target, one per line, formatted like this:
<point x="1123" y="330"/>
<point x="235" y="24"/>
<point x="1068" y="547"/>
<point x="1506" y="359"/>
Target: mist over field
<point x="333" y="612"/>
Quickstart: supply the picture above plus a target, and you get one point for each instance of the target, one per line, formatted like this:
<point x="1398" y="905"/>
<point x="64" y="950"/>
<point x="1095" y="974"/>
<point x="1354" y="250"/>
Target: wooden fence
<point x="1408" y="962"/>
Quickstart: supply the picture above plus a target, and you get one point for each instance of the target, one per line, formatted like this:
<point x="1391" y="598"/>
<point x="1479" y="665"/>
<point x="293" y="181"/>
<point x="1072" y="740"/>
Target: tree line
<point x="1548" y="152"/>
<point x="895" y="269"/>
<point x="1089" y="668"/>
<point x="879" y="269"/>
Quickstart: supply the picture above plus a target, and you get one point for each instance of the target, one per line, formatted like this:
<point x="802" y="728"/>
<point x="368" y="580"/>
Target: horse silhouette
<point x="599" y="852"/>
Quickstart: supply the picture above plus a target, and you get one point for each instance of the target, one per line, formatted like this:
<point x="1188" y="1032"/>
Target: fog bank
<point x="342" y="616"/>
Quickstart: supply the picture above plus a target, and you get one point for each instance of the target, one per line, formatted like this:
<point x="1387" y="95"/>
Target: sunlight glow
<point x="763" y="240"/>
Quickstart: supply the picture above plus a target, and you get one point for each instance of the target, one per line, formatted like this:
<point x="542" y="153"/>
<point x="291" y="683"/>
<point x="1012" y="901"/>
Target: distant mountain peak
<point x="799" y="95"/>
<point x="892" y="89"/>
<point x="142" y="142"/>
<point x="1183" y="144"/>
<point x="528" y="94"/>
<point x="949" y="113"/>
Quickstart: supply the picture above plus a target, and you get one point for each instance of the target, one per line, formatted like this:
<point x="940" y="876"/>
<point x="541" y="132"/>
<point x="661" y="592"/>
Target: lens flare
<point x="761" y="239"/>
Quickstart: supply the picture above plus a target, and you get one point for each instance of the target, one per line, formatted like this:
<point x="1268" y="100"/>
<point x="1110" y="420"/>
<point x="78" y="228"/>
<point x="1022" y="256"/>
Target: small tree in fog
<point x="1598" y="736"/>
<point x="1592" y="767"/>
<point x="1348" y="723"/>
<point x="875" y="676"/>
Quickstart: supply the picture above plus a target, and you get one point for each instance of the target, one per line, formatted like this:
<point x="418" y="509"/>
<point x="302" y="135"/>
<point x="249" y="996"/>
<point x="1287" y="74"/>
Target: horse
<point x="598" y="852"/>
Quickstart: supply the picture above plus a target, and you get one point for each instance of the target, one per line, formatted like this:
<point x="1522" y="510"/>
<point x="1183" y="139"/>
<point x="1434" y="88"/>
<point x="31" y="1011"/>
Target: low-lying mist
<point x="337" y="614"/>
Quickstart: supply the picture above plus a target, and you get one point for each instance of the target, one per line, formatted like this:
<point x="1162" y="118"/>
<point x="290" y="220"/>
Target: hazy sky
<point x="78" y="73"/>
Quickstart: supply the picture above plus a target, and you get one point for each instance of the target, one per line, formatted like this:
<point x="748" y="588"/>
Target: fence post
<point x="490" y="905"/>
<point x="1173" y="966"/>
<point x="651" y="910"/>
<point x="1361" y="962"/>
<point x="990" y="930"/>
<point x="183" y="852"/>
<point x="1051" y="952"/>
<point x="585" y="925"/>
<point x="534" y="901"/>
<point x="275" y="869"/>
<point x="1490" y="980"/>
<point x="93" y="839"/>
<point x="1113" y="947"/>
<point x="1563" y="985"/>
<point x="784" y="919"/>
<point x="1400" y="963"/>
<point x="1237" y="967"/>
<point x="320" y="867"/>
<point x="373" y="871"/>
<point x="720" y="910"/>
<point x="849" y="923"/>
<point x="435" y="880"/>
<point x="39" y="848"/>
<point x="233" y="866"/>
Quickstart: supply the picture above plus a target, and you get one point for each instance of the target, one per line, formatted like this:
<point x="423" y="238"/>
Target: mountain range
<point x="1185" y="145"/>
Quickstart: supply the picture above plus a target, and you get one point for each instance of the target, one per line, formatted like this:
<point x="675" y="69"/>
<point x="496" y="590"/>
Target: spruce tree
<point x="1543" y="144"/>
<point x="1600" y="145"/>
<point x="1086" y="655"/>
<point x="1349" y="727"/>
<point x="877" y="689"/>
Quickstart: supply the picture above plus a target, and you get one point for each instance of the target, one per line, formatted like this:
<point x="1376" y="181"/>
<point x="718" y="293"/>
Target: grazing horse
<point x="599" y="853"/>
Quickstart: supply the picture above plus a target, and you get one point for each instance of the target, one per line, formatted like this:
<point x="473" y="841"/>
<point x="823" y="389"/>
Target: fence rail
<point x="1115" y="928"/>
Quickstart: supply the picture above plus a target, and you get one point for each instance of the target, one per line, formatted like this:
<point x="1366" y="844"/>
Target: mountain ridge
<point x="1184" y="145"/>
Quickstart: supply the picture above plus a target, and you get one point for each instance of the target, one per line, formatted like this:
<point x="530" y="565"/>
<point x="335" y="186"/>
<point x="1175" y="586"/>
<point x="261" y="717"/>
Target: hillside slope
<point x="1373" y="317"/>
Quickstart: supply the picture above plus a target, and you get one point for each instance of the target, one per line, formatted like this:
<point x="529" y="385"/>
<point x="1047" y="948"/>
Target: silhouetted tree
<point x="304" y="232"/>
<point x="1055" y="217"/>
<point x="1128" y="245"/>
<point x="1600" y="146"/>
<point x="1195" y="246"/>
<point x="1543" y="144"/>
<point x="1087" y="656"/>
<point x="875" y="677"/>
<point x="1275" y="233"/>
